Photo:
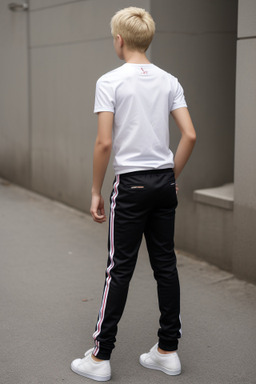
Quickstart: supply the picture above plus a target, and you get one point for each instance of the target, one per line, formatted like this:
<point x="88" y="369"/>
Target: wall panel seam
<point x="70" y="42"/>
<point x="29" y="105"/>
<point x="246" y="38"/>
<point x="197" y="33"/>
<point x="57" y="5"/>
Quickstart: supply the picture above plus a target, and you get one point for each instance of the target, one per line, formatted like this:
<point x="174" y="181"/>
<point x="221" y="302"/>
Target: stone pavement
<point x="52" y="263"/>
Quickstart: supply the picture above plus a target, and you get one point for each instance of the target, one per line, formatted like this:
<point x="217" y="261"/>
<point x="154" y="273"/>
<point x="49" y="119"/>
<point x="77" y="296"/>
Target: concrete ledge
<point x="222" y="197"/>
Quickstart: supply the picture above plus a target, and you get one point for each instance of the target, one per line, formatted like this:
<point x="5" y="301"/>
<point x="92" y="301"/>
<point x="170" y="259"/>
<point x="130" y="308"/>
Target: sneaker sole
<point x="157" y="368"/>
<point x="96" y="378"/>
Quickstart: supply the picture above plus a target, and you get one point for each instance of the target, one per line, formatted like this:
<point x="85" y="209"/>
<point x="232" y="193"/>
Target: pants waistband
<point x="147" y="172"/>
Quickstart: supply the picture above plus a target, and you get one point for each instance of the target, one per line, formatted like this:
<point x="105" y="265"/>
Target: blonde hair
<point x="135" y="26"/>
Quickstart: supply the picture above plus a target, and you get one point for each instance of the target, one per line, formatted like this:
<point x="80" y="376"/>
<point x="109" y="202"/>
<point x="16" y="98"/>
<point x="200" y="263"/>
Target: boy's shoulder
<point x="163" y="73"/>
<point x="111" y="75"/>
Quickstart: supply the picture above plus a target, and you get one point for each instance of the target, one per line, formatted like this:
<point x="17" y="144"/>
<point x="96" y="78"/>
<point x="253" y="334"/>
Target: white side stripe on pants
<point x="111" y="265"/>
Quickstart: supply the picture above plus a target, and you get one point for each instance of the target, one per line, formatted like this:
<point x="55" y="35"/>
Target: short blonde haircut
<point x="135" y="26"/>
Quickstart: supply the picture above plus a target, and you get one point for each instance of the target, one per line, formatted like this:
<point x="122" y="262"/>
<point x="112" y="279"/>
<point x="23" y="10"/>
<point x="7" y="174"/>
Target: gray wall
<point x="14" y="96"/>
<point x="245" y="155"/>
<point x="51" y="59"/>
<point x="196" y="41"/>
<point x="70" y="47"/>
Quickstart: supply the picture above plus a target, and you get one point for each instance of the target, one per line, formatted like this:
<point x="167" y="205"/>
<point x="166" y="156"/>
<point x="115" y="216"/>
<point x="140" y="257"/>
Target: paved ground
<point x="52" y="269"/>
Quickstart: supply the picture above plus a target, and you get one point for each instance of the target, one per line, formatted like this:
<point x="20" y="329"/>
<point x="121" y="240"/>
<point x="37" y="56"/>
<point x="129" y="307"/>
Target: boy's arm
<point x="188" y="138"/>
<point x="102" y="151"/>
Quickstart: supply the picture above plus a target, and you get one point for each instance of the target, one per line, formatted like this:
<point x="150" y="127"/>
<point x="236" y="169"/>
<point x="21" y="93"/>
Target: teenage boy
<point x="133" y="103"/>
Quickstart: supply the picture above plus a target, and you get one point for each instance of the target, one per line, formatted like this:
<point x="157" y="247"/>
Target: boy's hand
<point x="97" y="209"/>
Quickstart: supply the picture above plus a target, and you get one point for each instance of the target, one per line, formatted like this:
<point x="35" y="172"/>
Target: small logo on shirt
<point x="143" y="72"/>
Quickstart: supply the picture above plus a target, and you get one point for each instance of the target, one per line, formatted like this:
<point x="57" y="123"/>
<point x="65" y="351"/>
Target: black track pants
<point x="142" y="202"/>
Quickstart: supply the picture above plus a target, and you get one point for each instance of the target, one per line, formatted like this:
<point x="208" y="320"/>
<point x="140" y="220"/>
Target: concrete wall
<point x="196" y="41"/>
<point x="14" y="96"/>
<point x="70" y="47"/>
<point x="52" y="57"/>
<point x="244" y="264"/>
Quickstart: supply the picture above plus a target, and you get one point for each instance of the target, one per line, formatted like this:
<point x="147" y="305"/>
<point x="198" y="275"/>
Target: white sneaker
<point x="167" y="363"/>
<point x="99" y="371"/>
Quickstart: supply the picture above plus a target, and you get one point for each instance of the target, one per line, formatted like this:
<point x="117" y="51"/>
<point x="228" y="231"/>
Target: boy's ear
<point x="120" y="40"/>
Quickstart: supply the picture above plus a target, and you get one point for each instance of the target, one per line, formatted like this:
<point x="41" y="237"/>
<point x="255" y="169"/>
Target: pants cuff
<point x="170" y="347"/>
<point x="103" y="355"/>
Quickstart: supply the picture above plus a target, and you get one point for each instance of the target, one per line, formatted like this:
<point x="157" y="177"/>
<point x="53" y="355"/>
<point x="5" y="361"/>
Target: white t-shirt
<point x="141" y="96"/>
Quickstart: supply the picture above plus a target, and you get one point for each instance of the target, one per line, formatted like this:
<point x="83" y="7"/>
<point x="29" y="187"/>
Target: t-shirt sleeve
<point x="178" y="100"/>
<point x="104" y="97"/>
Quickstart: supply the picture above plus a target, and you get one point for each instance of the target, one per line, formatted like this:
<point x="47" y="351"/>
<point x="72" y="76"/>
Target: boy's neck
<point x="135" y="57"/>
